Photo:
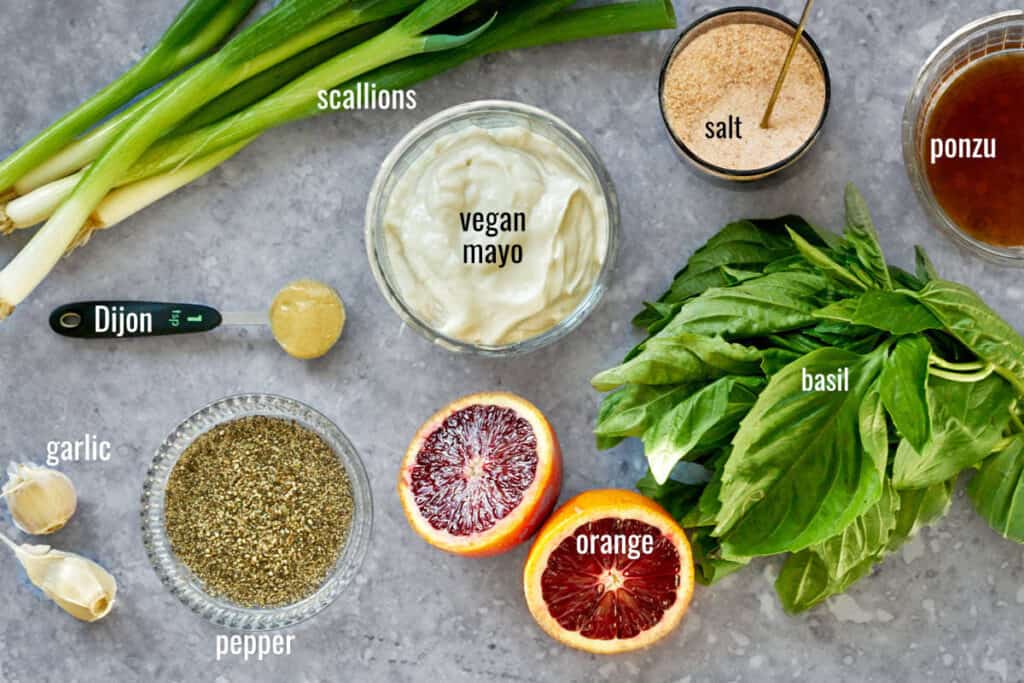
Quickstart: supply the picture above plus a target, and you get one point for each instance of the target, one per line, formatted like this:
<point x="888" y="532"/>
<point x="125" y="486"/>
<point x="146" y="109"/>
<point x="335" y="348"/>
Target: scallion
<point x="514" y="29"/>
<point x="544" y="18"/>
<point x="595" y="22"/>
<point x="36" y="201"/>
<point x="197" y="30"/>
<point x="296" y="33"/>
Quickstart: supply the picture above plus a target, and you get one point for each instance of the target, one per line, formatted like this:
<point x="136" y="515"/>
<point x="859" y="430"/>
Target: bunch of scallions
<point x="195" y="100"/>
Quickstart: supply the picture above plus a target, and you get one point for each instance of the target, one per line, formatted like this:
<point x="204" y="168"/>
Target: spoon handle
<point x="131" y="319"/>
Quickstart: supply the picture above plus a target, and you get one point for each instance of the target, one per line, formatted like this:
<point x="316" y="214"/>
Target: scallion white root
<point x="71" y="159"/>
<point x="36" y="206"/>
<point x="127" y="201"/>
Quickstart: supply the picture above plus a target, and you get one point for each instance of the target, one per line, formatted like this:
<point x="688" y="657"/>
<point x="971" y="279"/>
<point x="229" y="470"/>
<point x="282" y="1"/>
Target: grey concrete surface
<point x="950" y="607"/>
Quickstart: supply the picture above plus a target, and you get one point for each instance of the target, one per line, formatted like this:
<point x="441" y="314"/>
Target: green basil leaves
<point x="834" y="400"/>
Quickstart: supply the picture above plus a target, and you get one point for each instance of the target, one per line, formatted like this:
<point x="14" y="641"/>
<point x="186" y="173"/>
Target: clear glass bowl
<point x="485" y="114"/>
<point x="994" y="34"/>
<point x="177" y="577"/>
<point x="725" y="17"/>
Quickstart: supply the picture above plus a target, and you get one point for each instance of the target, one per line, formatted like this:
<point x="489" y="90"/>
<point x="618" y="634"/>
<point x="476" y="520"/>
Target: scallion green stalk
<point x="256" y="88"/>
<point x="197" y="30"/>
<point x="595" y="22"/>
<point x="251" y="52"/>
<point x="347" y="16"/>
<point x="80" y="153"/>
<point x="300" y="100"/>
<point x="506" y="33"/>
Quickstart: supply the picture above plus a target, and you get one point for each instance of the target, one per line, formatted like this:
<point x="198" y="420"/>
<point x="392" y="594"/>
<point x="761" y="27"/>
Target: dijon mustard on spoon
<point x="306" y="318"/>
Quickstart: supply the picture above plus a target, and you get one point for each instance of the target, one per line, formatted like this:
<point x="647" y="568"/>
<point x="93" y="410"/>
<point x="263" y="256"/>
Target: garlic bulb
<point x="41" y="500"/>
<point x="79" y="586"/>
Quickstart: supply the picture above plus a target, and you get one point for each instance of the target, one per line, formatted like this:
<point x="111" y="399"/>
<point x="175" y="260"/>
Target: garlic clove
<point x="41" y="500"/>
<point x="79" y="586"/>
<point x="88" y="599"/>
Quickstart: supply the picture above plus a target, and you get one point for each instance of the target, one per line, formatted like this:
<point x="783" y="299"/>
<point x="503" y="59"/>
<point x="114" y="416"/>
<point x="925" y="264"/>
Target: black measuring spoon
<point x="134" y="319"/>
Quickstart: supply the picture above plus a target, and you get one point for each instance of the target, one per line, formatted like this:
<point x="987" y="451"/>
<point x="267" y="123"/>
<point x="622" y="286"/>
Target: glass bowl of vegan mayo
<point x="492" y="228"/>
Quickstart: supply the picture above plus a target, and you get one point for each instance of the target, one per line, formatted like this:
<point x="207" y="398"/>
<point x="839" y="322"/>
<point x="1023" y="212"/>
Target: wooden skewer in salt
<point x="785" y="65"/>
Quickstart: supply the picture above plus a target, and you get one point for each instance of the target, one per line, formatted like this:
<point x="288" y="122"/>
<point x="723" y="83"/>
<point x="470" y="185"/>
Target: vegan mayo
<point x="495" y="236"/>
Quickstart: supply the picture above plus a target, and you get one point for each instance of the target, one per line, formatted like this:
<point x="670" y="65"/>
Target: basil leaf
<point x="701" y="421"/>
<point x="803" y="581"/>
<point x="682" y="358"/>
<point x="904" y="389"/>
<point x="737" y="252"/>
<point x="923" y="266"/>
<point x="997" y="491"/>
<point x="895" y="312"/>
<point x="967" y="420"/>
<point x="767" y="305"/>
<point x="609" y="407"/>
<point x="743" y="244"/>
<point x="918" y="509"/>
<point x="812" y="575"/>
<point x="861" y="235"/>
<point x="978" y="327"/>
<point x="774" y="361"/>
<point x="655" y="316"/>
<point x="676" y="497"/>
<point x="865" y="539"/>
<point x="827" y="265"/>
<point x="695" y="285"/>
<point x="750" y="244"/>
<point x="793" y="264"/>
<point x="810" y="233"/>
<point x="901" y="279"/>
<point x="708" y="562"/>
<point x="705" y="513"/>
<point x="631" y="410"/>
<point x="845" y="336"/>
<point x="804" y="464"/>
<point x="798" y="342"/>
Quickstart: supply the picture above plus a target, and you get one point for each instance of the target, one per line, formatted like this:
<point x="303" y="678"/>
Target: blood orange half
<point x="481" y="475"/>
<point x="592" y="582"/>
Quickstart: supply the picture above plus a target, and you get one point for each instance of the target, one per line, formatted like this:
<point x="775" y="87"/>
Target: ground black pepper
<point x="259" y="510"/>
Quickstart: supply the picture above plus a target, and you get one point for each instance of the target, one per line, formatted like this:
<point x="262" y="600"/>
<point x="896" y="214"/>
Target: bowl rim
<point x="756" y="173"/>
<point x="174" y="574"/>
<point x="916" y="108"/>
<point x="376" y="205"/>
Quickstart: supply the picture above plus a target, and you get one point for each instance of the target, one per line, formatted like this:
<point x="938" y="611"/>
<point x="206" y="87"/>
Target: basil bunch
<point x="835" y="479"/>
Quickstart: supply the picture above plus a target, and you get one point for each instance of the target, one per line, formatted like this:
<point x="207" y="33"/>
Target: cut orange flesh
<point x="481" y="475"/>
<point x="594" y="583"/>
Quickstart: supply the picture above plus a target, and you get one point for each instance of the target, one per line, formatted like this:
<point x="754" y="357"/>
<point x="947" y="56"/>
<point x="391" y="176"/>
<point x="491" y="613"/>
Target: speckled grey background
<point x="950" y="607"/>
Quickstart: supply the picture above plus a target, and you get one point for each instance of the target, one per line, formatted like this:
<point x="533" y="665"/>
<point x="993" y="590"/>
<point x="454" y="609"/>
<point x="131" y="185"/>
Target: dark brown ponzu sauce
<point x="984" y="196"/>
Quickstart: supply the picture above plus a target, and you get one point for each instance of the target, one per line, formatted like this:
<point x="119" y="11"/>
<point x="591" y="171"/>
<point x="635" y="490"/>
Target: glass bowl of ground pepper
<point x="256" y="512"/>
